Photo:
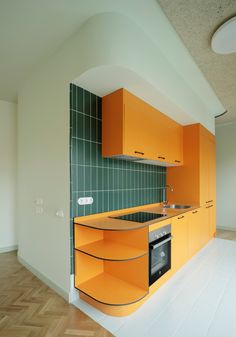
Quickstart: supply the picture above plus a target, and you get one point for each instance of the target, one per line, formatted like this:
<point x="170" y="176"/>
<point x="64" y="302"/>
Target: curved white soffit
<point x="111" y="61"/>
<point x="224" y="39"/>
<point x="105" y="79"/>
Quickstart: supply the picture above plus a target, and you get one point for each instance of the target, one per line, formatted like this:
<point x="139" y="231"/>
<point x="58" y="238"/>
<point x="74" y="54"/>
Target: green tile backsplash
<point x="112" y="183"/>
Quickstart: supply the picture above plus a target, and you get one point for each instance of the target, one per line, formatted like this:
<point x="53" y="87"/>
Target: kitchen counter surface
<point x="104" y="221"/>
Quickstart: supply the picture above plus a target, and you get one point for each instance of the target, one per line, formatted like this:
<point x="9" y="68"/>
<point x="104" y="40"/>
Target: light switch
<point x="60" y="213"/>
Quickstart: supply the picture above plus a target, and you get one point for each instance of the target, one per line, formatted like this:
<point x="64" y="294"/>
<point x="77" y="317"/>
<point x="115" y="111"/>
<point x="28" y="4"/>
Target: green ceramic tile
<point x="79" y="99"/>
<point x="106" y="200"/>
<point x="93" y="105"/>
<point x="87" y="153"/>
<point x="73" y="124"/>
<point x="106" y="179"/>
<point x="99" y="154"/>
<point x="100" y="178"/>
<point x="87" y="102"/>
<point x="94" y="180"/>
<point x="73" y="152"/>
<point x="80" y="151"/>
<point x="87" y="127"/>
<point x="93" y="150"/>
<point x="117" y="200"/>
<point x="78" y="128"/>
<point x="100" y="202"/>
<point x="93" y="129"/>
<point x="77" y="176"/>
<point x="99" y="131"/>
<point x="111" y="179"/>
<point x="99" y="107"/>
<point x="94" y="205"/>
<point x="73" y="97"/>
<point x="88" y="180"/>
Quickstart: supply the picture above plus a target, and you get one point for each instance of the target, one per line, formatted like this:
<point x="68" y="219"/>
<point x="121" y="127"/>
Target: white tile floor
<point x="198" y="301"/>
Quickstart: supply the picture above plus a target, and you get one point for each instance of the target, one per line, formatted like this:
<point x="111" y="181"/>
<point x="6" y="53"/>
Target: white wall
<point x="8" y="237"/>
<point x="226" y="175"/>
<point x="43" y="132"/>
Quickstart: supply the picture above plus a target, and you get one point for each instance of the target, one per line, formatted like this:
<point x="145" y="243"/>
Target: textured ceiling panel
<point x="195" y="21"/>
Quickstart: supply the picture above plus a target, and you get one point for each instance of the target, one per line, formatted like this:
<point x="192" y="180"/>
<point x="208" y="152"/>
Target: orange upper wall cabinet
<point x="133" y="128"/>
<point x="195" y="182"/>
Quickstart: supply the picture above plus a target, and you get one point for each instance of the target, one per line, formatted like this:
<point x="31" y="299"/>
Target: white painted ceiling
<point x="195" y="21"/>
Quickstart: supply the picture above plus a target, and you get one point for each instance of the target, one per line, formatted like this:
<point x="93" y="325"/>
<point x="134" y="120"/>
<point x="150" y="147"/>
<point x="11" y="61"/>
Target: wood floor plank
<point x="28" y="308"/>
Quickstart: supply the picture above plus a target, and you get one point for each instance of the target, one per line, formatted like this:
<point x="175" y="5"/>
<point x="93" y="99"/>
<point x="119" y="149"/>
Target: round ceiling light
<point x="224" y="39"/>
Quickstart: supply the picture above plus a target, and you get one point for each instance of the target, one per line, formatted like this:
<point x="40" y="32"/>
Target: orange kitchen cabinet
<point x="133" y="129"/>
<point x="207" y="168"/>
<point x="106" y="260"/>
<point x="194" y="182"/>
<point x="211" y="219"/>
<point x="194" y="232"/>
<point x="179" y="246"/>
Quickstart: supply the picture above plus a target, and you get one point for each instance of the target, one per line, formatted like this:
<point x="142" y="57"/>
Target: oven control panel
<point x="160" y="232"/>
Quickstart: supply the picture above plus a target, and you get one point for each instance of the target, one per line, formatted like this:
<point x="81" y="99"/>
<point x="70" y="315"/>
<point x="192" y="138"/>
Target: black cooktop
<point x="139" y="216"/>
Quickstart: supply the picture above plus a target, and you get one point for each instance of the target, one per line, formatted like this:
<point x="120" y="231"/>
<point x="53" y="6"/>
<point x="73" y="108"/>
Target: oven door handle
<point x="160" y="243"/>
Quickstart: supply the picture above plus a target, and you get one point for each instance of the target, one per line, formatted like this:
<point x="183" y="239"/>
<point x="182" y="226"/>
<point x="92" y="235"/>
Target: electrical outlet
<point x="85" y="201"/>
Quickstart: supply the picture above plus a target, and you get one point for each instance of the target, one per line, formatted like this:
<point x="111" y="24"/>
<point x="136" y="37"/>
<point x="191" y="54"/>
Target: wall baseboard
<point x="74" y="293"/>
<point x="8" y="249"/>
<point x="226" y="228"/>
<point x="45" y="279"/>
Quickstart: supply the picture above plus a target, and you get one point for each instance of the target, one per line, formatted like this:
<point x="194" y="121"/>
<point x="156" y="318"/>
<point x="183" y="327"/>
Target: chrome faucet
<point x="165" y="201"/>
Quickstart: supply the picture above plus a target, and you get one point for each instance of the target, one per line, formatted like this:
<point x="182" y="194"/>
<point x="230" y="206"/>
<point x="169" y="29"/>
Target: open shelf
<point x="109" y="250"/>
<point x="108" y="289"/>
<point x="112" y="282"/>
<point x="111" y="245"/>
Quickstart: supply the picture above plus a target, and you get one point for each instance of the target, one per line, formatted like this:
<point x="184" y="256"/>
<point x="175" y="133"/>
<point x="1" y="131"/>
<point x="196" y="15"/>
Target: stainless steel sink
<point x="174" y="206"/>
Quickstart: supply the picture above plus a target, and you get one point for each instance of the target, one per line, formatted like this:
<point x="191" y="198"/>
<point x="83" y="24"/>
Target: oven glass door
<point x="159" y="258"/>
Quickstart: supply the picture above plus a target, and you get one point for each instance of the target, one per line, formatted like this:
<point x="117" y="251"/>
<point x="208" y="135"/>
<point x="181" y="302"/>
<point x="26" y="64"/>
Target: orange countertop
<point x="104" y="221"/>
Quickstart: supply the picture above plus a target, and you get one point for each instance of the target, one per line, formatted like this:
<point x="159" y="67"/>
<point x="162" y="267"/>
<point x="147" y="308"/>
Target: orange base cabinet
<point x="210" y="213"/>
<point x="195" y="231"/>
<point x="179" y="244"/>
<point x="111" y="267"/>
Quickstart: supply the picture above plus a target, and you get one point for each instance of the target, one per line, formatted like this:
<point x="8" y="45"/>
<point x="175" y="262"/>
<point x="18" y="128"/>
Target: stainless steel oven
<point x="159" y="252"/>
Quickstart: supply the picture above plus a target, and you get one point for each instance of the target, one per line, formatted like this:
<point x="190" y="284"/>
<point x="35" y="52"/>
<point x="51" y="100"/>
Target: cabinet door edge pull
<point x="209" y="206"/>
<point x="209" y="201"/>
<point x="181" y="217"/>
<point x="194" y="212"/>
<point x="177" y="161"/>
<point x="160" y="157"/>
<point x="139" y="152"/>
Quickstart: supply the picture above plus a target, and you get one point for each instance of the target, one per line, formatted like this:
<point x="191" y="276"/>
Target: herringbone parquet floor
<point x="28" y="308"/>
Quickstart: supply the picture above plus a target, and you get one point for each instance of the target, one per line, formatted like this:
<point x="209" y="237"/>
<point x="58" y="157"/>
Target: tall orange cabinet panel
<point x="194" y="182"/>
<point x="207" y="167"/>
<point x="135" y="129"/>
